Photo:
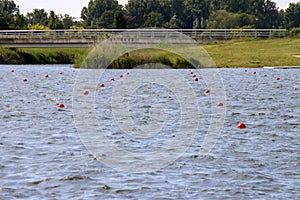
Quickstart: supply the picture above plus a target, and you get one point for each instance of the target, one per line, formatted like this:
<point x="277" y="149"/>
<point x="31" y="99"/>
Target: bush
<point x="294" y="32"/>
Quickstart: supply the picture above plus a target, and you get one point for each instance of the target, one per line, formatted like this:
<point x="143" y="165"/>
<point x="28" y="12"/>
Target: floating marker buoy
<point x="86" y="92"/>
<point x="207" y="91"/>
<point x="127" y="73"/>
<point x="265" y="75"/>
<point x="60" y="105"/>
<point x="46" y="76"/>
<point x="278" y="79"/>
<point x="112" y="79"/>
<point x="25" y="80"/>
<point x="102" y="85"/>
<point x="220" y="104"/>
<point x="196" y="79"/>
<point x="246" y="71"/>
<point x="254" y="73"/>
<point x="12" y="70"/>
<point x="61" y="73"/>
<point x="121" y="76"/>
<point x="191" y="72"/>
<point x="194" y="75"/>
<point x="241" y="126"/>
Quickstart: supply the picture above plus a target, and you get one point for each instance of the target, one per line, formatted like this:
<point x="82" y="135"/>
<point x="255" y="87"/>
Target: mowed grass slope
<point x="255" y="53"/>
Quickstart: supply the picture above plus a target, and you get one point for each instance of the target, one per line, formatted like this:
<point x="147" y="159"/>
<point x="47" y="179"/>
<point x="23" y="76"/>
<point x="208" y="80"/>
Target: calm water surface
<point x="42" y="156"/>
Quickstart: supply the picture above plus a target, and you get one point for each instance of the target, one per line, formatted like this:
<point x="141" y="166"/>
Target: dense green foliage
<point x="158" y="13"/>
<point x="41" y="56"/>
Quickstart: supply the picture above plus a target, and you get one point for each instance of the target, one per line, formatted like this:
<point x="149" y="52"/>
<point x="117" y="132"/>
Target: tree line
<point x="191" y="14"/>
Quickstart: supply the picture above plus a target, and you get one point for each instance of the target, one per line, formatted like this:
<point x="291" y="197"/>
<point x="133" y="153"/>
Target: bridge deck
<point x="85" y="38"/>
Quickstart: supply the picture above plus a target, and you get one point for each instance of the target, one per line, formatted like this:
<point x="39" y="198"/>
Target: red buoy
<point x="25" y="80"/>
<point x="278" y="79"/>
<point x="102" y="85"/>
<point x="196" y="79"/>
<point x="207" y="91"/>
<point x="12" y="70"/>
<point x="121" y="76"/>
<point x="191" y="72"/>
<point x="220" y="104"/>
<point x="61" y="73"/>
<point x="254" y="73"/>
<point x="265" y="75"/>
<point x="112" y="79"/>
<point x="46" y="76"/>
<point x="86" y="92"/>
<point x="60" y="105"/>
<point x="241" y="126"/>
<point x="194" y="75"/>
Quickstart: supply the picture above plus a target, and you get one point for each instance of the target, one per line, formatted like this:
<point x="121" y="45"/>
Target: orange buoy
<point x="207" y="91"/>
<point x="60" y="105"/>
<point x="220" y="104"/>
<point x="86" y="92"/>
<point x="196" y="79"/>
<point x="241" y="126"/>
<point x="102" y="85"/>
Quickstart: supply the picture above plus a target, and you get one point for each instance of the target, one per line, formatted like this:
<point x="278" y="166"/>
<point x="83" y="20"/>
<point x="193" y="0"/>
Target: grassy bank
<point x="255" y="53"/>
<point x="234" y="53"/>
<point x="42" y="55"/>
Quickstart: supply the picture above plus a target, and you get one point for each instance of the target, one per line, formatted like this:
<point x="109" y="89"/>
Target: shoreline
<point x="240" y="53"/>
<point x="76" y="67"/>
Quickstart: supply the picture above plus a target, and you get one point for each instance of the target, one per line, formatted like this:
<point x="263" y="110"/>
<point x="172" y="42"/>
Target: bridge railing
<point x="198" y="34"/>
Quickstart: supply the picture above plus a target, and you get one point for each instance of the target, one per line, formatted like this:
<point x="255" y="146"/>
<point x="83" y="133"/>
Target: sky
<point x="74" y="7"/>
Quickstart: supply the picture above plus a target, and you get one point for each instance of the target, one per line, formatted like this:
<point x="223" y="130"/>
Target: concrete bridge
<point x="90" y="37"/>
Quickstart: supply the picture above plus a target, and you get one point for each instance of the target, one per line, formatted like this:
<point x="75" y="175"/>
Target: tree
<point x="153" y="19"/>
<point x="137" y="10"/>
<point x="292" y="16"/>
<point x="100" y="13"/>
<point x="119" y="20"/>
<point x="38" y="16"/>
<point x="54" y="21"/>
<point x="10" y="16"/>
<point x="195" y="9"/>
<point x="144" y="12"/>
<point x="68" y="21"/>
<point x="227" y="20"/>
<point x="175" y="23"/>
<point x="268" y="15"/>
<point x="106" y="20"/>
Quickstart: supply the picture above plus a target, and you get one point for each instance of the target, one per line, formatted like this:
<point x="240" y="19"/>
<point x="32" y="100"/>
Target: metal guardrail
<point x="87" y="36"/>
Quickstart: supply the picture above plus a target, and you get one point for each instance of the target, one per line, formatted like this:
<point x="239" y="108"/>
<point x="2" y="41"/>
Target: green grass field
<point x="255" y="53"/>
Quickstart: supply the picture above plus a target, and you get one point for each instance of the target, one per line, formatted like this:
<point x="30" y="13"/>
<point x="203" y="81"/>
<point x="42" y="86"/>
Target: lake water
<point x="43" y="156"/>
